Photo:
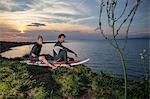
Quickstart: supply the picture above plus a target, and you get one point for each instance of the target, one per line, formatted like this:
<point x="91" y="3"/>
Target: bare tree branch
<point x="125" y="7"/>
<point x="112" y="20"/>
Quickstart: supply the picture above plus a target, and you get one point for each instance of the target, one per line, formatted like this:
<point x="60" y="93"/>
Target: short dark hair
<point x="59" y="36"/>
<point x="40" y="37"/>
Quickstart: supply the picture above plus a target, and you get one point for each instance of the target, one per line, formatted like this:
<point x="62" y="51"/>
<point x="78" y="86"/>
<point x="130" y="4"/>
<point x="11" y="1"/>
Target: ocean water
<point x="103" y="57"/>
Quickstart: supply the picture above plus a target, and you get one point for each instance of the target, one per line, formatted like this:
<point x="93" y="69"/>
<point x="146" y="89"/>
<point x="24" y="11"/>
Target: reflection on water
<point x="17" y="51"/>
<point x="102" y="55"/>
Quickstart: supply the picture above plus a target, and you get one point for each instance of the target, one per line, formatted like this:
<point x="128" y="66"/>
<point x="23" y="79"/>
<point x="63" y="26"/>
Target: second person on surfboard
<point x="60" y="52"/>
<point x="35" y="52"/>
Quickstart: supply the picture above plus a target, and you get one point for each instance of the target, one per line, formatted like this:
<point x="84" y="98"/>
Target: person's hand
<point x="75" y="55"/>
<point x="33" y="55"/>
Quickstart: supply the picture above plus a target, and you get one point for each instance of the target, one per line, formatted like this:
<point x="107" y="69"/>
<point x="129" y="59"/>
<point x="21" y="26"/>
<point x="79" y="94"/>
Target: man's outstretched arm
<point x="68" y="50"/>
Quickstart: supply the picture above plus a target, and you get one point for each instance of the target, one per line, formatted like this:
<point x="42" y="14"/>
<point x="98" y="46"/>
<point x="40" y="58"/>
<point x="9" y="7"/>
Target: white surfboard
<point x="61" y="64"/>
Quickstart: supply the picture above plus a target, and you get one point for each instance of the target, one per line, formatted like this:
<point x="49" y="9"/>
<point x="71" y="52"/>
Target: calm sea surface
<point x="102" y="56"/>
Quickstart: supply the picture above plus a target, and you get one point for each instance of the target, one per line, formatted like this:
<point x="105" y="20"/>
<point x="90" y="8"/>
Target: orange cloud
<point x="63" y="27"/>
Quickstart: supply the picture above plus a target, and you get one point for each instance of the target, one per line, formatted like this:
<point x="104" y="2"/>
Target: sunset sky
<point x="23" y="20"/>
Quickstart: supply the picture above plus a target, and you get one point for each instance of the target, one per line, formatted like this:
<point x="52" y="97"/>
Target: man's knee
<point x="63" y="52"/>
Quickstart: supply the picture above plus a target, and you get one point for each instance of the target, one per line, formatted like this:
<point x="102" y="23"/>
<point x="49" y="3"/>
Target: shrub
<point x="69" y="85"/>
<point x="105" y="85"/>
<point x="15" y="82"/>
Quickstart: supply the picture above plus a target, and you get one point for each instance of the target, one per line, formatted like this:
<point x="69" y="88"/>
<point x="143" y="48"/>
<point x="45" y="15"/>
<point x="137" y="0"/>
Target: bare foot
<point x="50" y="66"/>
<point x="54" y="67"/>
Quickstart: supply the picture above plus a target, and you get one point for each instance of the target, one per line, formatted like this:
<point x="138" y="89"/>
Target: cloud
<point x="6" y="5"/>
<point x="25" y="16"/>
<point x="38" y="11"/>
<point x="14" y="5"/>
<point x="36" y="24"/>
<point x="82" y="19"/>
<point x="53" y="7"/>
<point x="48" y="6"/>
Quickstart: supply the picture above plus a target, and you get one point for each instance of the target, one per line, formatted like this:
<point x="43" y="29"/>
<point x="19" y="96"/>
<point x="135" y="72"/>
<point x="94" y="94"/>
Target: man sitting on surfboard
<point x="60" y="52"/>
<point x="35" y="52"/>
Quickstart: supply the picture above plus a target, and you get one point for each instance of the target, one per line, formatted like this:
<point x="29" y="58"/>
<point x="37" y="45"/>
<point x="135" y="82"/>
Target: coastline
<point x="62" y="82"/>
<point x="6" y="45"/>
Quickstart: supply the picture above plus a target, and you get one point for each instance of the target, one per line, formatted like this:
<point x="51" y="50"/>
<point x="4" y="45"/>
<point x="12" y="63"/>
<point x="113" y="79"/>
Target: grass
<point x="23" y="81"/>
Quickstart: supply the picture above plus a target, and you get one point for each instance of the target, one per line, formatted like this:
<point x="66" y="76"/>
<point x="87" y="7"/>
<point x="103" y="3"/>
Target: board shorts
<point x="62" y="56"/>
